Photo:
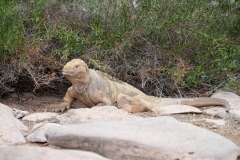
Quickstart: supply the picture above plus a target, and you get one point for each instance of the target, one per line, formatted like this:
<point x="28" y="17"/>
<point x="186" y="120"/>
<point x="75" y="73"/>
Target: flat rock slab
<point x="40" y="153"/>
<point x="37" y="134"/>
<point x="217" y="112"/>
<point x="140" y="139"/>
<point x="234" y="101"/>
<point x="10" y="127"/>
<point x="175" y="109"/>
<point x="104" y="113"/>
<point x="39" y="117"/>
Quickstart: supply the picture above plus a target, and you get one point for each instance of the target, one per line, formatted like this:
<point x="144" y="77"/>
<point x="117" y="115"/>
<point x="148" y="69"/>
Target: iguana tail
<point x="144" y="103"/>
<point x="196" y="102"/>
<point x="205" y="101"/>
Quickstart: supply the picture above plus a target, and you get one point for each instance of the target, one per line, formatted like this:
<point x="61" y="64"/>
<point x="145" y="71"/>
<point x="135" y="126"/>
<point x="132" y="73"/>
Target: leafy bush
<point x="163" y="47"/>
<point x="11" y="30"/>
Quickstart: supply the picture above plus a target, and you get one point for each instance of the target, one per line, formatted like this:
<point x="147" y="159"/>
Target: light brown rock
<point x="19" y="113"/>
<point x="10" y="127"/>
<point x="216" y="111"/>
<point x="39" y="117"/>
<point x="41" y="153"/>
<point x="234" y="101"/>
<point x="38" y="133"/>
<point x="175" y="109"/>
<point x="232" y="98"/>
<point x="150" y="138"/>
<point x="6" y="108"/>
<point x="84" y="115"/>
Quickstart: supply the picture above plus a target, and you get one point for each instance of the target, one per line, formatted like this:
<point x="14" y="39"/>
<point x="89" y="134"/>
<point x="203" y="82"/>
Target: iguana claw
<point x="60" y="108"/>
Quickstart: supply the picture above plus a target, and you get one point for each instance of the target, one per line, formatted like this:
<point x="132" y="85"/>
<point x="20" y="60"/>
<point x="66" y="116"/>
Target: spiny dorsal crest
<point x="110" y="77"/>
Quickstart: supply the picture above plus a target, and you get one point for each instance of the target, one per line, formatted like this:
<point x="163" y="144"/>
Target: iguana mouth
<point x="69" y="73"/>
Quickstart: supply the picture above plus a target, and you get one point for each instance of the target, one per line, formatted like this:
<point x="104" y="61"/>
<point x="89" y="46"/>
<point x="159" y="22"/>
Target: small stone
<point x="214" y="127"/>
<point x="39" y="117"/>
<point x="235" y="113"/>
<point x="37" y="134"/>
<point x="218" y="122"/>
<point x="19" y="113"/>
<point x="216" y="111"/>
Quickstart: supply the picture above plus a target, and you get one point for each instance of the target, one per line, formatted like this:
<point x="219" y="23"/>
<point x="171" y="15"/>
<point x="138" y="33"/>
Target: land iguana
<point x="94" y="88"/>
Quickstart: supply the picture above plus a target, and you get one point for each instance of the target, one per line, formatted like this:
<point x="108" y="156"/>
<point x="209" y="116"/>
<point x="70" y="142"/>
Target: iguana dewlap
<point x="94" y="88"/>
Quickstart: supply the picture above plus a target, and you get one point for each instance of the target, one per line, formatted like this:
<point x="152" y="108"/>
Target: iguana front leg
<point x="102" y="98"/>
<point x="66" y="103"/>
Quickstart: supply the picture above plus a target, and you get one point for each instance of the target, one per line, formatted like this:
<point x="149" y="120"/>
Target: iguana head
<point x="77" y="72"/>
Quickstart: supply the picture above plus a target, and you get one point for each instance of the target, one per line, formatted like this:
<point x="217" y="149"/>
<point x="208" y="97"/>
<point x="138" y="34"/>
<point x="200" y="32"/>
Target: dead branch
<point x="6" y="88"/>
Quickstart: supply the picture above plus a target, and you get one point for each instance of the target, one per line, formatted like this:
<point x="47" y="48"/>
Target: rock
<point x="83" y="115"/>
<point x="40" y="153"/>
<point x="174" y="109"/>
<point x="10" y="127"/>
<point x="218" y="122"/>
<point x="37" y="134"/>
<point x="235" y="114"/>
<point x="216" y="111"/>
<point x="149" y="138"/>
<point x="234" y="101"/>
<point x="19" y="113"/>
<point x="39" y="117"/>
<point x="6" y="108"/>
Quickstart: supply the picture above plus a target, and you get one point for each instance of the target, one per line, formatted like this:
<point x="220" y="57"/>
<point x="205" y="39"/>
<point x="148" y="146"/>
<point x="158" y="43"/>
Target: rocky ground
<point x="230" y="129"/>
<point x="228" y="126"/>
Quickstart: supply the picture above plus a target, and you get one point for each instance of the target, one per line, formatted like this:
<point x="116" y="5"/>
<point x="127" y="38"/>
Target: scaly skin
<point x="94" y="88"/>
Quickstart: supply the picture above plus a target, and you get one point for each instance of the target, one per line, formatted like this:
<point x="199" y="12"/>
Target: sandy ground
<point x="33" y="104"/>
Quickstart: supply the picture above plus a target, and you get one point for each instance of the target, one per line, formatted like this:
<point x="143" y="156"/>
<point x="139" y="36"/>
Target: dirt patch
<point x="34" y="104"/>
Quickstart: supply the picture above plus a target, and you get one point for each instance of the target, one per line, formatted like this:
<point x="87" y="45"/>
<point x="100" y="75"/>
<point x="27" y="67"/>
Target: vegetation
<point x="163" y="47"/>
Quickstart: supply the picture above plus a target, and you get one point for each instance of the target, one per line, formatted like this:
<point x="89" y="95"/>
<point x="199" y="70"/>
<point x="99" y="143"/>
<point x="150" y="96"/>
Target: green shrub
<point x="163" y="47"/>
<point x="11" y="30"/>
